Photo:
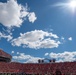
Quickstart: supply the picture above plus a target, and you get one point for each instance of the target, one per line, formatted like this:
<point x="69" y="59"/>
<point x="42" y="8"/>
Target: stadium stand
<point x="15" y="68"/>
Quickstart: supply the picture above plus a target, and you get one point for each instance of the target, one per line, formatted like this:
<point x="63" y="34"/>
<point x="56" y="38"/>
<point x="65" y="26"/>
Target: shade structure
<point x="5" y="57"/>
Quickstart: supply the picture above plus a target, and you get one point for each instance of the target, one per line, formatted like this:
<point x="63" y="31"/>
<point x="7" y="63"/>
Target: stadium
<point x="41" y="68"/>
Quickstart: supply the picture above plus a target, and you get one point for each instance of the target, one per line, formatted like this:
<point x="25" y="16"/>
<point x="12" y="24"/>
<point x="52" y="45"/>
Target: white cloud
<point x="62" y="38"/>
<point x="26" y="58"/>
<point x="63" y="57"/>
<point x="46" y="54"/>
<point x="8" y="37"/>
<point x="13" y="14"/>
<point x="32" y="17"/>
<point x="60" y="57"/>
<point x="37" y="39"/>
<point x="17" y="52"/>
<point x="12" y="52"/>
<point x="70" y="38"/>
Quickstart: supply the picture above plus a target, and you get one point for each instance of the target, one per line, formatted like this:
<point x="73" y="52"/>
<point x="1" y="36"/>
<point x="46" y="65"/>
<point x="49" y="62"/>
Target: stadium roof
<point x="4" y="54"/>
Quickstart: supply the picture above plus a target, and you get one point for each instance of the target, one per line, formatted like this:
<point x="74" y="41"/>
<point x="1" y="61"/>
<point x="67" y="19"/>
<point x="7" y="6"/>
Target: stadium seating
<point x="66" y="68"/>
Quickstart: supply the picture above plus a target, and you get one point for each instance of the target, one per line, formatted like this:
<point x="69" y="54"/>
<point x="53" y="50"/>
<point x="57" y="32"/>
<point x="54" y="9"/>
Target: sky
<point x="38" y="29"/>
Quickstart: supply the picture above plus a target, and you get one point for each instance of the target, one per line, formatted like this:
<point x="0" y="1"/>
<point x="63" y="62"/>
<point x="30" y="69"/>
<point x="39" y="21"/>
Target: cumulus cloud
<point x="62" y="38"/>
<point x="37" y="39"/>
<point x="26" y="58"/>
<point x="46" y="54"/>
<point x="60" y="57"/>
<point x="8" y="37"/>
<point x="13" y="14"/>
<point x="32" y="17"/>
<point x="70" y="38"/>
<point x="63" y="57"/>
<point x="12" y="52"/>
<point x="17" y="52"/>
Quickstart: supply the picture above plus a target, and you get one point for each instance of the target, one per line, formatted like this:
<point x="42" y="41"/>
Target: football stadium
<point x="7" y="67"/>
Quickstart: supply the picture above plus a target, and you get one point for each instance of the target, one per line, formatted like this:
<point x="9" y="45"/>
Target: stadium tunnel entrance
<point x="58" y="72"/>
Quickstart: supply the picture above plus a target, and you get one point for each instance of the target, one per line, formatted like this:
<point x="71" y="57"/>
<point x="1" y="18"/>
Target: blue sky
<point x="38" y="29"/>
